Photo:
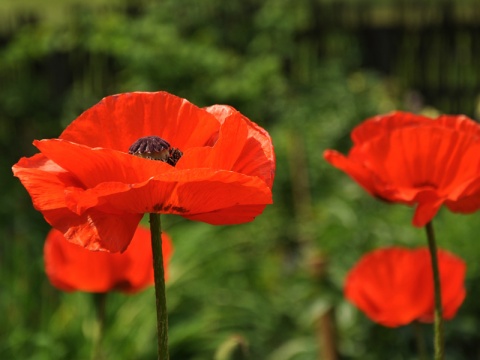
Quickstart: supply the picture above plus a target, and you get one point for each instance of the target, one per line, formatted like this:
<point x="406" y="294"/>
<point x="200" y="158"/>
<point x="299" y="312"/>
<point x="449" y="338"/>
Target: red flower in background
<point x="412" y="159"/>
<point x="89" y="185"/>
<point x="70" y="267"/>
<point x="394" y="286"/>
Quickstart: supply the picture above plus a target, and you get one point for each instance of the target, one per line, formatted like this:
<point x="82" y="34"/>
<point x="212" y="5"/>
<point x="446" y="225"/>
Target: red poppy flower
<point x="394" y="286"/>
<point x="70" y="267"/>
<point x="88" y="184"/>
<point x="412" y="159"/>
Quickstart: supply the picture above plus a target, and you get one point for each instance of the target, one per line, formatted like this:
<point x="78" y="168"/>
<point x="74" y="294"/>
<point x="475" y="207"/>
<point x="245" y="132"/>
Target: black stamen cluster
<point x="155" y="148"/>
<point x="148" y="145"/>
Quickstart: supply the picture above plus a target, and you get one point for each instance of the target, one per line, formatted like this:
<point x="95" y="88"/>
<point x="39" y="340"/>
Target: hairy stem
<point x="438" y="315"/>
<point x="159" y="273"/>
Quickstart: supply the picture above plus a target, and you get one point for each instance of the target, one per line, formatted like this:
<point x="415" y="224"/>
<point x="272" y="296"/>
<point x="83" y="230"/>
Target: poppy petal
<point x="190" y="192"/>
<point x="227" y="166"/>
<point x="452" y="278"/>
<point x="452" y="274"/>
<point x="411" y="159"/>
<point x="394" y="286"/>
<point x="428" y="205"/>
<point x="223" y="154"/>
<point x="72" y="268"/>
<point x="48" y="184"/>
<point x="419" y="158"/>
<point x="45" y="181"/>
<point x="258" y="157"/>
<point x="98" y="165"/>
<point x="459" y="123"/>
<point x="95" y="229"/>
<point x="385" y="285"/>
<point x="118" y="121"/>
<point x="383" y="124"/>
<point x="250" y="152"/>
<point x="229" y="216"/>
<point x="466" y="204"/>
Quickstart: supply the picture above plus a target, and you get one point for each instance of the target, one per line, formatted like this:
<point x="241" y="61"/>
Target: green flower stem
<point x="438" y="315"/>
<point x="159" y="273"/>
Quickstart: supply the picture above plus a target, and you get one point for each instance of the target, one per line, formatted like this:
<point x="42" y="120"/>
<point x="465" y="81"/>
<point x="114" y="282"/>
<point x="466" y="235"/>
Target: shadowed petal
<point x="191" y="192"/>
<point x="48" y="185"/>
<point x="229" y="216"/>
<point x="70" y="267"/>
<point x="95" y="229"/>
<point x="465" y="199"/>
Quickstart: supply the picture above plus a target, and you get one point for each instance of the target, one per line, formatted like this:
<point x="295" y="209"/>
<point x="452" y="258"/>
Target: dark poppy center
<point x="155" y="148"/>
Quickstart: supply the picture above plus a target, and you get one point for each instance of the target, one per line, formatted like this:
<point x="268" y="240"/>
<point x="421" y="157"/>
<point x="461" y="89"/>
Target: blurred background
<point x="307" y="71"/>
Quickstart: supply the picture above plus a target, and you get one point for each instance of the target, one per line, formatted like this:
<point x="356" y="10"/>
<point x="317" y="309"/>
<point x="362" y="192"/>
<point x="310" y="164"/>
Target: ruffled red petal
<point x="189" y="192"/>
<point x="417" y="161"/>
<point x="223" y="155"/>
<point x="459" y="123"/>
<point x="72" y="268"/>
<point x="100" y="228"/>
<point x="118" y="121"/>
<point x="124" y="183"/>
<point x="411" y="159"/>
<point x="95" y="229"/>
<point x="95" y="166"/>
<point x="383" y="124"/>
<point x="256" y="156"/>
<point x="45" y="181"/>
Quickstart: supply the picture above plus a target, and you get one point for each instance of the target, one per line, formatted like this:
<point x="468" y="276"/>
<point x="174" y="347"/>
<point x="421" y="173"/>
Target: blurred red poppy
<point x="394" y="286"/>
<point x="70" y="267"/>
<point x="412" y="159"/>
<point x="89" y="185"/>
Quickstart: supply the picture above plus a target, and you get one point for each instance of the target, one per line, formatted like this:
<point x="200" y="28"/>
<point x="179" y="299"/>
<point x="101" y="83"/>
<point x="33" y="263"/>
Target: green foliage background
<point x="307" y="71"/>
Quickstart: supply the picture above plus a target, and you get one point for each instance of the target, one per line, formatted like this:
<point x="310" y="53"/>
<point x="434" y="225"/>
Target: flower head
<point x="135" y="153"/>
<point x="412" y="159"/>
<point x="70" y="267"/>
<point x="394" y="286"/>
